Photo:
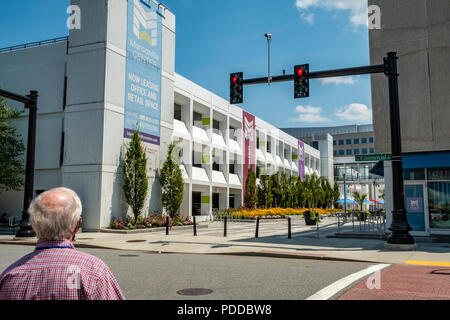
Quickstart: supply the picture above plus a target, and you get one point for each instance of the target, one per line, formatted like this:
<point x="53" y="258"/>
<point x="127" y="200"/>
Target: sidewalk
<point x="271" y="242"/>
<point x="405" y="282"/>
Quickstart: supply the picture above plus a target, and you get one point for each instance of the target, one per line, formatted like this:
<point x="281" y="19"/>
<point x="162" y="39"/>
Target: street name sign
<point x="373" y="157"/>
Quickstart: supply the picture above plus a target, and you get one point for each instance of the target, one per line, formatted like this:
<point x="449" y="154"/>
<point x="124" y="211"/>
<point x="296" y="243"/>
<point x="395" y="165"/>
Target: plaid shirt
<point x="56" y="271"/>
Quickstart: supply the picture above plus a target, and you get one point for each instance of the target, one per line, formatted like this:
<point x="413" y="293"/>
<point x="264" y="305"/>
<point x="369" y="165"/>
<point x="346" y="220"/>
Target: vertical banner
<point x="249" y="128"/>
<point x="143" y="78"/>
<point x="301" y="160"/>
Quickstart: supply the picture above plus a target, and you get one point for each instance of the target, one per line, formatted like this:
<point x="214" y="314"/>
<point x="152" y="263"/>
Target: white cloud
<point x="309" y="114"/>
<point x="339" y="80"/>
<point x="358" y="8"/>
<point x="355" y="112"/>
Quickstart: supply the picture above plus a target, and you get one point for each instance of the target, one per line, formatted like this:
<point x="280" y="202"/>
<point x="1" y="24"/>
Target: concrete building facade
<point x="419" y="31"/>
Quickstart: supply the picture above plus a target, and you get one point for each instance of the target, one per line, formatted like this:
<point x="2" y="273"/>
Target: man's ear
<point x="77" y="227"/>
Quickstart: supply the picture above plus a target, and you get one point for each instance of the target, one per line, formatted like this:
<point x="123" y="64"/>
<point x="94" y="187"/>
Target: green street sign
<point x="373" y="157"/>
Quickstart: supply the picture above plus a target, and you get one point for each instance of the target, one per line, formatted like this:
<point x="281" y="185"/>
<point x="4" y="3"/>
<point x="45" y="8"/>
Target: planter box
<point x="308" y="220"/>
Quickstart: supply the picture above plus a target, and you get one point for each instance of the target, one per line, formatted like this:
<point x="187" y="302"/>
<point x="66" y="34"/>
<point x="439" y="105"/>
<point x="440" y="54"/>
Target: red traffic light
<point x="234" y="79"/>
<point x="300" y="71"/>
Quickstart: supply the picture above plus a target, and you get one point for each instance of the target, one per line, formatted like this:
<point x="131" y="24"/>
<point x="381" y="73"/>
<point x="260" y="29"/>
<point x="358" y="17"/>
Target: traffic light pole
<point x="399" y="227"/>
<point x="321" y="74"/>
<point x="30" y="101"/>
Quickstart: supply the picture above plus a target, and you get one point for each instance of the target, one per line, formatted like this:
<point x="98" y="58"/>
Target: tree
<point x="293" y="192"/>
<point x="265" y="192"/>
<point x="285" y="194"/>
<point x="336" y="193"/>
<point x="251" y="196"/>
<point x="135" y="185"/>
<point x="360" y="198"/>
<point x="299" y="193"/>
<point x="276" y="190"/>
<point x="11" y="151"/>
<point x="382" y="193"/>
<point x="172" y="184"/>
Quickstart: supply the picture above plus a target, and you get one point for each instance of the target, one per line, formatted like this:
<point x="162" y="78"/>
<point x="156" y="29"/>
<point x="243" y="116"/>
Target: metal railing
<point x="34" y="44"/>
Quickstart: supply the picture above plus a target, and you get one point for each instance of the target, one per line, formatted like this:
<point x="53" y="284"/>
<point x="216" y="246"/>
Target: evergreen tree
<point x="11" y="151"/>
<point x="336" y="193"/>
<point x="172" y="184"/>
<point x="285" y="191"/>
<point x="135" y="185"/>
<point x="265" y="192"/>
<point x="251" y="196"/>
<point x="276" y="190"/>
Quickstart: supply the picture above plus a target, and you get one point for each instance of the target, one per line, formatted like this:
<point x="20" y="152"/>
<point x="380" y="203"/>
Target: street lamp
<point x="30" y="101"/>
<point x="269" y="38"/>
<point x="399" y="226"/>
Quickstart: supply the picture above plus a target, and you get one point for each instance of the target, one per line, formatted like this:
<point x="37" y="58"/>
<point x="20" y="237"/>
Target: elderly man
<point x="55" y="270"/>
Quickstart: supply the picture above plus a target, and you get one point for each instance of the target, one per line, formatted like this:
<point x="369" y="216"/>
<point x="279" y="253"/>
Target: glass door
<point x="415" y="207"/>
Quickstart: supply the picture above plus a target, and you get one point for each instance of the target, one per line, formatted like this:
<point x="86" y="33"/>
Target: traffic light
<point x="301" y="81"/>
<point x="236" y="91"/>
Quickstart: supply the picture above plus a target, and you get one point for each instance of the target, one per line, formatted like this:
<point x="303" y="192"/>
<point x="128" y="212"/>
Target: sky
<point x="215" y="38"/>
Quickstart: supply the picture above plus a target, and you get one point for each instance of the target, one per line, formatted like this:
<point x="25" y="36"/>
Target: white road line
<point x="329" y="291"/>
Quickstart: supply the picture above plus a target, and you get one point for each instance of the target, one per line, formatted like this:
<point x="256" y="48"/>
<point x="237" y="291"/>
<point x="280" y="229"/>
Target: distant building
<point x="348" y="140"/>
<point x="338" y="147"/>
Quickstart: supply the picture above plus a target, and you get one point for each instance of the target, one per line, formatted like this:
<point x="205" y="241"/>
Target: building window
<point x="372" y="150"/>
<point x="232" y="168"/>
<point x="334" y="142"/>
<point x="371" y="140"/>
<point x="268" y="145"/>
<point x="364" y="150"/>
<point x="413" y="174"/>
<point x="348" y="141"/>
<point x="349" y="152"/>
<point x="356" y="151"/>
<point x="363" y="140"/>
<point x="216" y="125"/>
<point x="439" y="204"/>
<point x="341" y="152"/>
<point x="177" y="112"/>
<point x="341" y="142"/>
<point x="335" y="152"/>
<point x="355" y="141"/>
<point x="315" y="145"/>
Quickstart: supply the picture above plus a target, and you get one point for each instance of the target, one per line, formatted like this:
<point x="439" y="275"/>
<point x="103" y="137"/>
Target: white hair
<point x="57" y="221"/>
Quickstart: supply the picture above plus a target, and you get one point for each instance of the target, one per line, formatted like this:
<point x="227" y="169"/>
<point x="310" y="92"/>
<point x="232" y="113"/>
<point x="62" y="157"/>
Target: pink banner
<point x="249" y="126"/>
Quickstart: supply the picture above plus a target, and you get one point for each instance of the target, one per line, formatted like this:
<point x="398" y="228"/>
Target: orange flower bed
<point x="271" y="213"/>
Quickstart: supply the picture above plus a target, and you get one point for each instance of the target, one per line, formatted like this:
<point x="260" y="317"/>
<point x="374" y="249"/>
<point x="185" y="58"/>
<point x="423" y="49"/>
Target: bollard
<point x="339" y="221"/>
<point x="195" y="227"/>
<point x="289" y="228"/>
<point x="167" y="225"/>
<point x="225" y="227"/>
<point x="257" y="227"/>
<point x="317" y="225"/>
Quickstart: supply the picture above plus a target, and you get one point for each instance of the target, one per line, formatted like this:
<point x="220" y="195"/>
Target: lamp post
<point x="30" y="101"/>
<point x="269" y="38"/>
<point x="399" y="226"/>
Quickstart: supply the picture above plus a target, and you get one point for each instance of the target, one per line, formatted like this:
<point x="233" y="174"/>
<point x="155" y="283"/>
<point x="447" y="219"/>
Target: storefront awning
<point x="426" y="160"/>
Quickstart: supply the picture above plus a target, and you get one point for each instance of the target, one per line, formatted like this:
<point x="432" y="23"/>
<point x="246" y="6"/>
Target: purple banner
<point x="145" y="137"/>
<point x="301" y="160"/>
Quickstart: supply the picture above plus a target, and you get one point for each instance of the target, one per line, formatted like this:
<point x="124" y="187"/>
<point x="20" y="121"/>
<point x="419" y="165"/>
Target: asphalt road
<point x="150" y="276"/>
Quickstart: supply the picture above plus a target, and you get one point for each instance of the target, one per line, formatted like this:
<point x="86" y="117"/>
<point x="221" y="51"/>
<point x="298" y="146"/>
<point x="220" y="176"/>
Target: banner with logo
<point x="249" y="129"/>
<point x="301" y="160"/>
<point x="143" y="77"/>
